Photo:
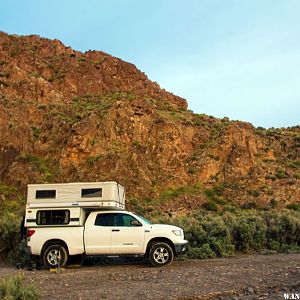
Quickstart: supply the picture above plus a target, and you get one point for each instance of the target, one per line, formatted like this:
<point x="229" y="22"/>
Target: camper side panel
<point x="54" y="216"/>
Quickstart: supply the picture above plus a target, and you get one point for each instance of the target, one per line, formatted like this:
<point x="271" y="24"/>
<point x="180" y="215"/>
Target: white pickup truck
<point x="58" y="228"/>
<point x="108" y="233"/>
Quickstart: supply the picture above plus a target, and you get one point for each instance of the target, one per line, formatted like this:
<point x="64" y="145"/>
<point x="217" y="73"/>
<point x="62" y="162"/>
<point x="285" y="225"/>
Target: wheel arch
<point x="157" y="240"/>
<point x="54" y="242"/>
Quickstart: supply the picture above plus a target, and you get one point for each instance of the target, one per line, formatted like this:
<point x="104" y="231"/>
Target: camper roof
<point x="76" y="194"/>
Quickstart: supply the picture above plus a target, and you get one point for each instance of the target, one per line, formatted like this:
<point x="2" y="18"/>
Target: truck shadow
<point x="95" y="261"/>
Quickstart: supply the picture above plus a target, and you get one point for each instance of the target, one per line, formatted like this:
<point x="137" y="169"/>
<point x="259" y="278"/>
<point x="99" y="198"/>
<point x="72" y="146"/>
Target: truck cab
<point x="124" y="232"/>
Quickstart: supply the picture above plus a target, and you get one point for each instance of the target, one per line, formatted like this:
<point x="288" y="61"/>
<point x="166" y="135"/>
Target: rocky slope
<point x="71" y="116"/>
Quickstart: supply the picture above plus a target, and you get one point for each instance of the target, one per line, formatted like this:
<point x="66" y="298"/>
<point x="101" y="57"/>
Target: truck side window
<point x="116" y="219"/>
<point x="104" y="220"/>
<point x="125" y="220"/>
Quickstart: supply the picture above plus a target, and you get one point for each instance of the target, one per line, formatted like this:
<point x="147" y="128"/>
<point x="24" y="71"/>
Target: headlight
<point x="177" y="232"/>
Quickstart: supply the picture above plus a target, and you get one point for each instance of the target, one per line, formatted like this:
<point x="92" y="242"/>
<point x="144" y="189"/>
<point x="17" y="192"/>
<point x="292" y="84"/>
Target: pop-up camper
<point x="67" y="203"/>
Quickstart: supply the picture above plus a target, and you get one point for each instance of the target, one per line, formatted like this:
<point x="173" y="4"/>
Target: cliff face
<point x="72" y="116"/>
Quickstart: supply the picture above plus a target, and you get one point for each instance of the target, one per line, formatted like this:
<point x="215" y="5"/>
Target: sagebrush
<point x="242" y="231"/>
<point x="14" y="288"/>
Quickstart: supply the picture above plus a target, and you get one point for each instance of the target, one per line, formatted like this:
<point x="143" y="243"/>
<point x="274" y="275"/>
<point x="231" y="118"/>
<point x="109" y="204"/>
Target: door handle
<point x="115" y="229"/>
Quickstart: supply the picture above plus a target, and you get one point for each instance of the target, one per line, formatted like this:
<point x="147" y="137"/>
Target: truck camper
<point x="68" y="219"/>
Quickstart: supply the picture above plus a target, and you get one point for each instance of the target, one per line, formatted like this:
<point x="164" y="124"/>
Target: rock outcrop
<point x="71" y="116"/>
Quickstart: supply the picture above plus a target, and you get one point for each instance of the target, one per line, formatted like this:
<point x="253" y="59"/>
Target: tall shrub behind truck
<point x="90" y="218"/>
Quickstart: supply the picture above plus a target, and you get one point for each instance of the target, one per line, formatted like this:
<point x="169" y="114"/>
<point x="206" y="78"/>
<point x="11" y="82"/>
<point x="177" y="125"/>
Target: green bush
<point x="210" y="206"/>
<point x="13" y="288"/>
<point x="249" y="205"/>
<point x="202" y="252"/>
<point x="9" y="234"/>
<point x="281" y="174"/>
<point x="249" y="233"/>
<point x="208" y="236"/>
<point x="13" y="202"/>
<point x="219" y="234"/>
<point x="283" y="229"/>
<point x="271" y="176"/>
<point x="293" y="206"/>
<point x="254" y="193"/>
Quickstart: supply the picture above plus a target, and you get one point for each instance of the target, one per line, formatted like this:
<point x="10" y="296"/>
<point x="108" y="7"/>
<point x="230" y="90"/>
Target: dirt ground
<point x="240" y="277"/>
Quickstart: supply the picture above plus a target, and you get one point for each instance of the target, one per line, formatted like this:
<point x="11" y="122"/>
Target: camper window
<point x="53" y="217"/>
<point x="91" y="193"/>
<point x="45" y="194"/>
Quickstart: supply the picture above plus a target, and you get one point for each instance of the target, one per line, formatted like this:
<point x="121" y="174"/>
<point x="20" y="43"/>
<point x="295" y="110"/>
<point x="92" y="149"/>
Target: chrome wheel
<point x="54" y="257"/>
<point x="161" y="255"/>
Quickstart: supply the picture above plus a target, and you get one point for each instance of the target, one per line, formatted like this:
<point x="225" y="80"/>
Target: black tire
<point x="55" y="256"/>
<point x="161" y="254"/>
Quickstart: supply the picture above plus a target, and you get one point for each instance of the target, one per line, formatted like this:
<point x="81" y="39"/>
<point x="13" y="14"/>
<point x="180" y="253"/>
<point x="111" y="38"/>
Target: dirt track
<point x="241" y="277"/>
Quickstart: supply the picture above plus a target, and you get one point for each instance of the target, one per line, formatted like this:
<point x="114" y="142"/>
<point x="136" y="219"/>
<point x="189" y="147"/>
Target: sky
<point x="229" y="58"/>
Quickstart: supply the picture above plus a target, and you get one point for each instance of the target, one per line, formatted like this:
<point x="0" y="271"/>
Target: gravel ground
<point x="240" y="277"/>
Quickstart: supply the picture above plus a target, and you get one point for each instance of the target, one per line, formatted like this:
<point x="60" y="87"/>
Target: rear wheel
<point x="55" y="256"/>
<point x="161" y="254"/>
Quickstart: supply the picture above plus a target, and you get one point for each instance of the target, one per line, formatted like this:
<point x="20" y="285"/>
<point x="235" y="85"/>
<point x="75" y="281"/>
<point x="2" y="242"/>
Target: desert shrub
<point x="271" y="176"/>
<point x="13" y="288"/>
<point x="194" y="234"/>
<point x="249" y="233"/>
<point x="249" y="205"/>
<point x="289" y="229"/>
<point x="213" y="198"/>
<point x="254" y="193"/>
<point x="273" y="203"/>
<point x="208" y="236"/>
<point x="210" y="206"/>
<point x="219" y="190"/>
<point x="11" y="204"/>
<point x="172" y="193"/>
<point x="210" y="194"/>
<point x="218" y="234"/>
<point x="283" y="229"/>
<point x="92" y="159"/>
<point x="9" y="234"/>
<point x="281" y="173"/>
<point x="202" y="252"/>
<point x="293" y="206"/>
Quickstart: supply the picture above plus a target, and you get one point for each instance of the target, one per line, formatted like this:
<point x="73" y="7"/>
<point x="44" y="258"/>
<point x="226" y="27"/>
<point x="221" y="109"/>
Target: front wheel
<point x="161" y="254"/>
<point x="55" y="256"/>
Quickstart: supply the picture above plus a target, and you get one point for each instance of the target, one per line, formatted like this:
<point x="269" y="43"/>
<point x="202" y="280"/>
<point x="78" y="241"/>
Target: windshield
<point x="145" y="220"/>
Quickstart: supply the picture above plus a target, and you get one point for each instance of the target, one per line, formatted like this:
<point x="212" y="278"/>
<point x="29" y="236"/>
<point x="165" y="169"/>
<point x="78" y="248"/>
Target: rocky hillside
<point x="71" y="116"/>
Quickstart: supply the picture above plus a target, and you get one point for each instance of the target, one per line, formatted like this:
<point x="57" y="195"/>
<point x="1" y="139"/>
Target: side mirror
<point x="135" y="223"/>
